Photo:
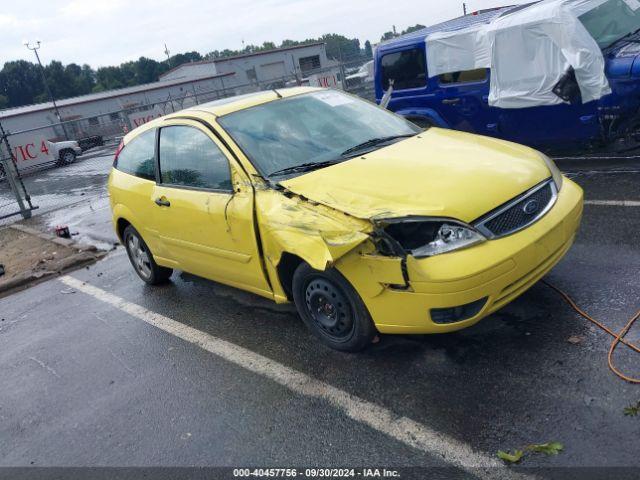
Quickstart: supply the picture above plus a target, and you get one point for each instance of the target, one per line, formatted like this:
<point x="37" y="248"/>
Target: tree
<point x="387" y="36"/>
<point x="20" y="82"/>
<point x="368" y="51"/>
<point x="4" y="102"/>
<point x="415" y="28"/>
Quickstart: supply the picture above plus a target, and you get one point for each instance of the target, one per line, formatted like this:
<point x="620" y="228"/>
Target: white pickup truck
<point x="64" y="152"/>
<point x="33" y="154"/>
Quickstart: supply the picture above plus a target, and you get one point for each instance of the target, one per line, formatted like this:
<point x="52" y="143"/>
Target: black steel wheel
<point x="332" y="309"/>
<point x="67" y="157"/>
<point x="142" y="260"/>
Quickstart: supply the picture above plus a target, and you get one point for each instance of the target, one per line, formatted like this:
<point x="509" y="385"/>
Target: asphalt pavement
<point x="102" y="370"/>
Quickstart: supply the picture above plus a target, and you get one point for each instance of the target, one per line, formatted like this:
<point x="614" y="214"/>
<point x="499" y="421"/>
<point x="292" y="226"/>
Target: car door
<point x="463" y="101"/>
<point x="204" y="208"/>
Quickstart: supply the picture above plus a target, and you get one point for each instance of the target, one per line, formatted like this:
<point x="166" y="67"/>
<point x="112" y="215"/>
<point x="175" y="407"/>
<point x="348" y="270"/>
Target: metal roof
<point x="243" y="55"/>
<point x="92" y="97"/>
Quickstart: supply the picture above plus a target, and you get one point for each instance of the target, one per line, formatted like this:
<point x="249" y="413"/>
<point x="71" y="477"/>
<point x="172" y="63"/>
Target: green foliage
<point x="514" y="457"/>
<point x="551" y="448"/>
<point x="632" y="410"/>
<point x="368" y="50"/>
<point x="415" y="28"/>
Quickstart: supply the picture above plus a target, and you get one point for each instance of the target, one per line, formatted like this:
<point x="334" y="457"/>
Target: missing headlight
<point x="427" y="237"/>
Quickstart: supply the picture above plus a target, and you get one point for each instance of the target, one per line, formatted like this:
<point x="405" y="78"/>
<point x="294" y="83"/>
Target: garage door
<point x="274" y="70"/>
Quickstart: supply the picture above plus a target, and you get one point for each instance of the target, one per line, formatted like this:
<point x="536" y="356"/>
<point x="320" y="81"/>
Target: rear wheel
<point x="67" y="157"/>
<point x="142" y="259"/>
<point x="332" y="309"/>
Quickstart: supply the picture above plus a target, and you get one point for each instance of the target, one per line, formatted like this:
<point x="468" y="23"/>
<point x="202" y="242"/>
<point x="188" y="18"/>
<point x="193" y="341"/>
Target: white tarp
<point x="527" y="51"/>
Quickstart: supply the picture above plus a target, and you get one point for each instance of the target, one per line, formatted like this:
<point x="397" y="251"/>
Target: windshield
<point x="612" y="20"/>
<point x="311" y="128"/>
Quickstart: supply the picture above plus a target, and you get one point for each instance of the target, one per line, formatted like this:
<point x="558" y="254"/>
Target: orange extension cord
<point x="618" y="337"/>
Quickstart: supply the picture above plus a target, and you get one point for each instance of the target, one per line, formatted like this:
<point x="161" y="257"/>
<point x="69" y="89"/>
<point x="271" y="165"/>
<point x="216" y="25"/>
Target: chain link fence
<point x="41" y="147"/>
<point x="14" y="198"/>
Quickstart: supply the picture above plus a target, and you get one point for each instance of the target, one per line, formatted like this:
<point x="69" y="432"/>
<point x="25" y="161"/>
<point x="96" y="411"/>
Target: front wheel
<point x="142" y="260"/>
<point x="332" y="309"/>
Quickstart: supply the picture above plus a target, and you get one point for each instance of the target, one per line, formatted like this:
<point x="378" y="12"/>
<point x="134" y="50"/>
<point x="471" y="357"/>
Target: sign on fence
<point x="325" y="80"/>
<point x="140" y="118"/>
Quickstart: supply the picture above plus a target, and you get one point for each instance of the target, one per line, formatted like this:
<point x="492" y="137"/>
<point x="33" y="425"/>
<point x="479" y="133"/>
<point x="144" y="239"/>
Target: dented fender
<point x="317" y="234"/>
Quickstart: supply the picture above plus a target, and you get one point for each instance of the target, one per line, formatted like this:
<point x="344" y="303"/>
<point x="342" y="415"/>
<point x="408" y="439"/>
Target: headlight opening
<point x="428" y="237"/>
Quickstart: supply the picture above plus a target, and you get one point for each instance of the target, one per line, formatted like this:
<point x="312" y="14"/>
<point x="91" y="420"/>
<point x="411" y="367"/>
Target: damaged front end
<point x="323" y="237"/>
<point x="371" y="253"/>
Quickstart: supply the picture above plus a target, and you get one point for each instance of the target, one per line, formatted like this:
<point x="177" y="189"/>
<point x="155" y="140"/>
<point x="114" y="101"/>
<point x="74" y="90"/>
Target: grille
<point x="517" y="216"/>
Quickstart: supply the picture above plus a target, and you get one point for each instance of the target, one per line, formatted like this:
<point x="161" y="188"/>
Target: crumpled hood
<point x="439" y="172"/>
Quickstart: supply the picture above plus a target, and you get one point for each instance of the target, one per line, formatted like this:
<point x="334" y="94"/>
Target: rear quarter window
<point x="138" y="156"/>
<point x="407" y="69"/>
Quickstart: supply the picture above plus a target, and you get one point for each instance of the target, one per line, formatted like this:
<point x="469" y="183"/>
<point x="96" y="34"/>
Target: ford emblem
<point x="531" y="207"/>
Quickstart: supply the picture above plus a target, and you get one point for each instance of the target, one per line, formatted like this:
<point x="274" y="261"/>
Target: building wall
<point x="98" y="117"/>
<point x="262" y="67"/>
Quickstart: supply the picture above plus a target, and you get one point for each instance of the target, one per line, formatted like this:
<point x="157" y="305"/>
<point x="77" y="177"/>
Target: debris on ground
<point x="514" y="457"/>
<point x="550" y="448"/>
<point x="62" y="231"/>
<point x="632" y="410"/>
<point x="28" y="256"/>
<point x="575" y="339"/>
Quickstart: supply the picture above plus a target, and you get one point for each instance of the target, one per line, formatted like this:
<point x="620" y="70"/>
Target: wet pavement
<point x="85" y="383"/>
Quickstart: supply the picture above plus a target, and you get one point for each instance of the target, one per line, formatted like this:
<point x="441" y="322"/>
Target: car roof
<point x="460" y="23"/>
<point x="227" y="105"/>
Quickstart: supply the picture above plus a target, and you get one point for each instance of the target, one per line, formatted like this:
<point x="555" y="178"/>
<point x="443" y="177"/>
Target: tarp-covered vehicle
<point x="551" y="74"/>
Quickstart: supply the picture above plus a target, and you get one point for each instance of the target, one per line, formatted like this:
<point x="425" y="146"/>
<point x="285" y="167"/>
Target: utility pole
<point x="168" y="54"/>
<point x="464" y="8"/>
<point x="35" y="49"/>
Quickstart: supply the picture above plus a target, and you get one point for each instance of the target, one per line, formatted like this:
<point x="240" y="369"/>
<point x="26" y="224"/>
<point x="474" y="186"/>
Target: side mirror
<point x="567" y="88"/>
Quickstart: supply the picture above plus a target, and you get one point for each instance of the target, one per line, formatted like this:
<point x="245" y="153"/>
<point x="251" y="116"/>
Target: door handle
<point x="162" y="202"/>
<point x="450" y="101"/>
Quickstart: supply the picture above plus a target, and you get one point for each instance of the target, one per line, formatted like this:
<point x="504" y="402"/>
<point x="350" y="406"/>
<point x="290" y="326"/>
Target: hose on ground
<point x="618" y="338"/>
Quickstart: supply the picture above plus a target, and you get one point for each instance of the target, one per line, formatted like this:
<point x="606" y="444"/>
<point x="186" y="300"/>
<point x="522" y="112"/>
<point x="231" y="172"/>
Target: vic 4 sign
<point x="140" y="118"/>
<point x="30" y="151"/>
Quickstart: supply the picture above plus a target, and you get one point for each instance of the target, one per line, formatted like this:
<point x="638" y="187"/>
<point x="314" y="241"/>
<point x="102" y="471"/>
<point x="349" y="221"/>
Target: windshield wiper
<point x="373" y="142"/>
<point x="304" y="167"/>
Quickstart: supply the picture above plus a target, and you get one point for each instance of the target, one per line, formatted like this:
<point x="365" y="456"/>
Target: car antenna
<point x="277" y="93"/>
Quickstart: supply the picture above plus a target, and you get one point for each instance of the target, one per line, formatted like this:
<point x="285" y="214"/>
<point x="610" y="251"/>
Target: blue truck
<point x="460" y="100"/>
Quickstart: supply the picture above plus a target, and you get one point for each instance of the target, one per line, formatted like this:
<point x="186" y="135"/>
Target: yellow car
<point x="366" y="222"/>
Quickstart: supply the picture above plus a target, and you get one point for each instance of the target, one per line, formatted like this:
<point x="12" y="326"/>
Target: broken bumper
<point x="488" y="276"/>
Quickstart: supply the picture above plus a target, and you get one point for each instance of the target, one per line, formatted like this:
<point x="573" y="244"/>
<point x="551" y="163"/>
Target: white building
<point x="111" y="113"/>
<point x="259" y="67"/>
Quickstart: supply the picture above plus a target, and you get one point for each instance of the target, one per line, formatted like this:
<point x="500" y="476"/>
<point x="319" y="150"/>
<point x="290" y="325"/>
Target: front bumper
<point x="499" y="270"/>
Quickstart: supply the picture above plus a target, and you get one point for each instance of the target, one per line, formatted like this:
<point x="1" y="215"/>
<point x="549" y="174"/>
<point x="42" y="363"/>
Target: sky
<point x="109" y="32"/>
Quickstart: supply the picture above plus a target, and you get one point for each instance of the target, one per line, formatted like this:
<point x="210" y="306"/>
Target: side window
<point x="190" y="158"/>
<point x="468" y="76"/>
<point x="138" y="156"/>
<point x="407" y="69"/>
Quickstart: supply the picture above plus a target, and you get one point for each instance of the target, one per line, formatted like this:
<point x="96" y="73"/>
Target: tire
<point x="67" y="157"/>
<point x="332" y="309"/>
<point x="142" y="260"/>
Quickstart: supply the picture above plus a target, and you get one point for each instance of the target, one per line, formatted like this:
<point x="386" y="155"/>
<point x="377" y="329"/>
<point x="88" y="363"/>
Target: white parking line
<point x="614" y="203"/>
<point x="403" y="429"/>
